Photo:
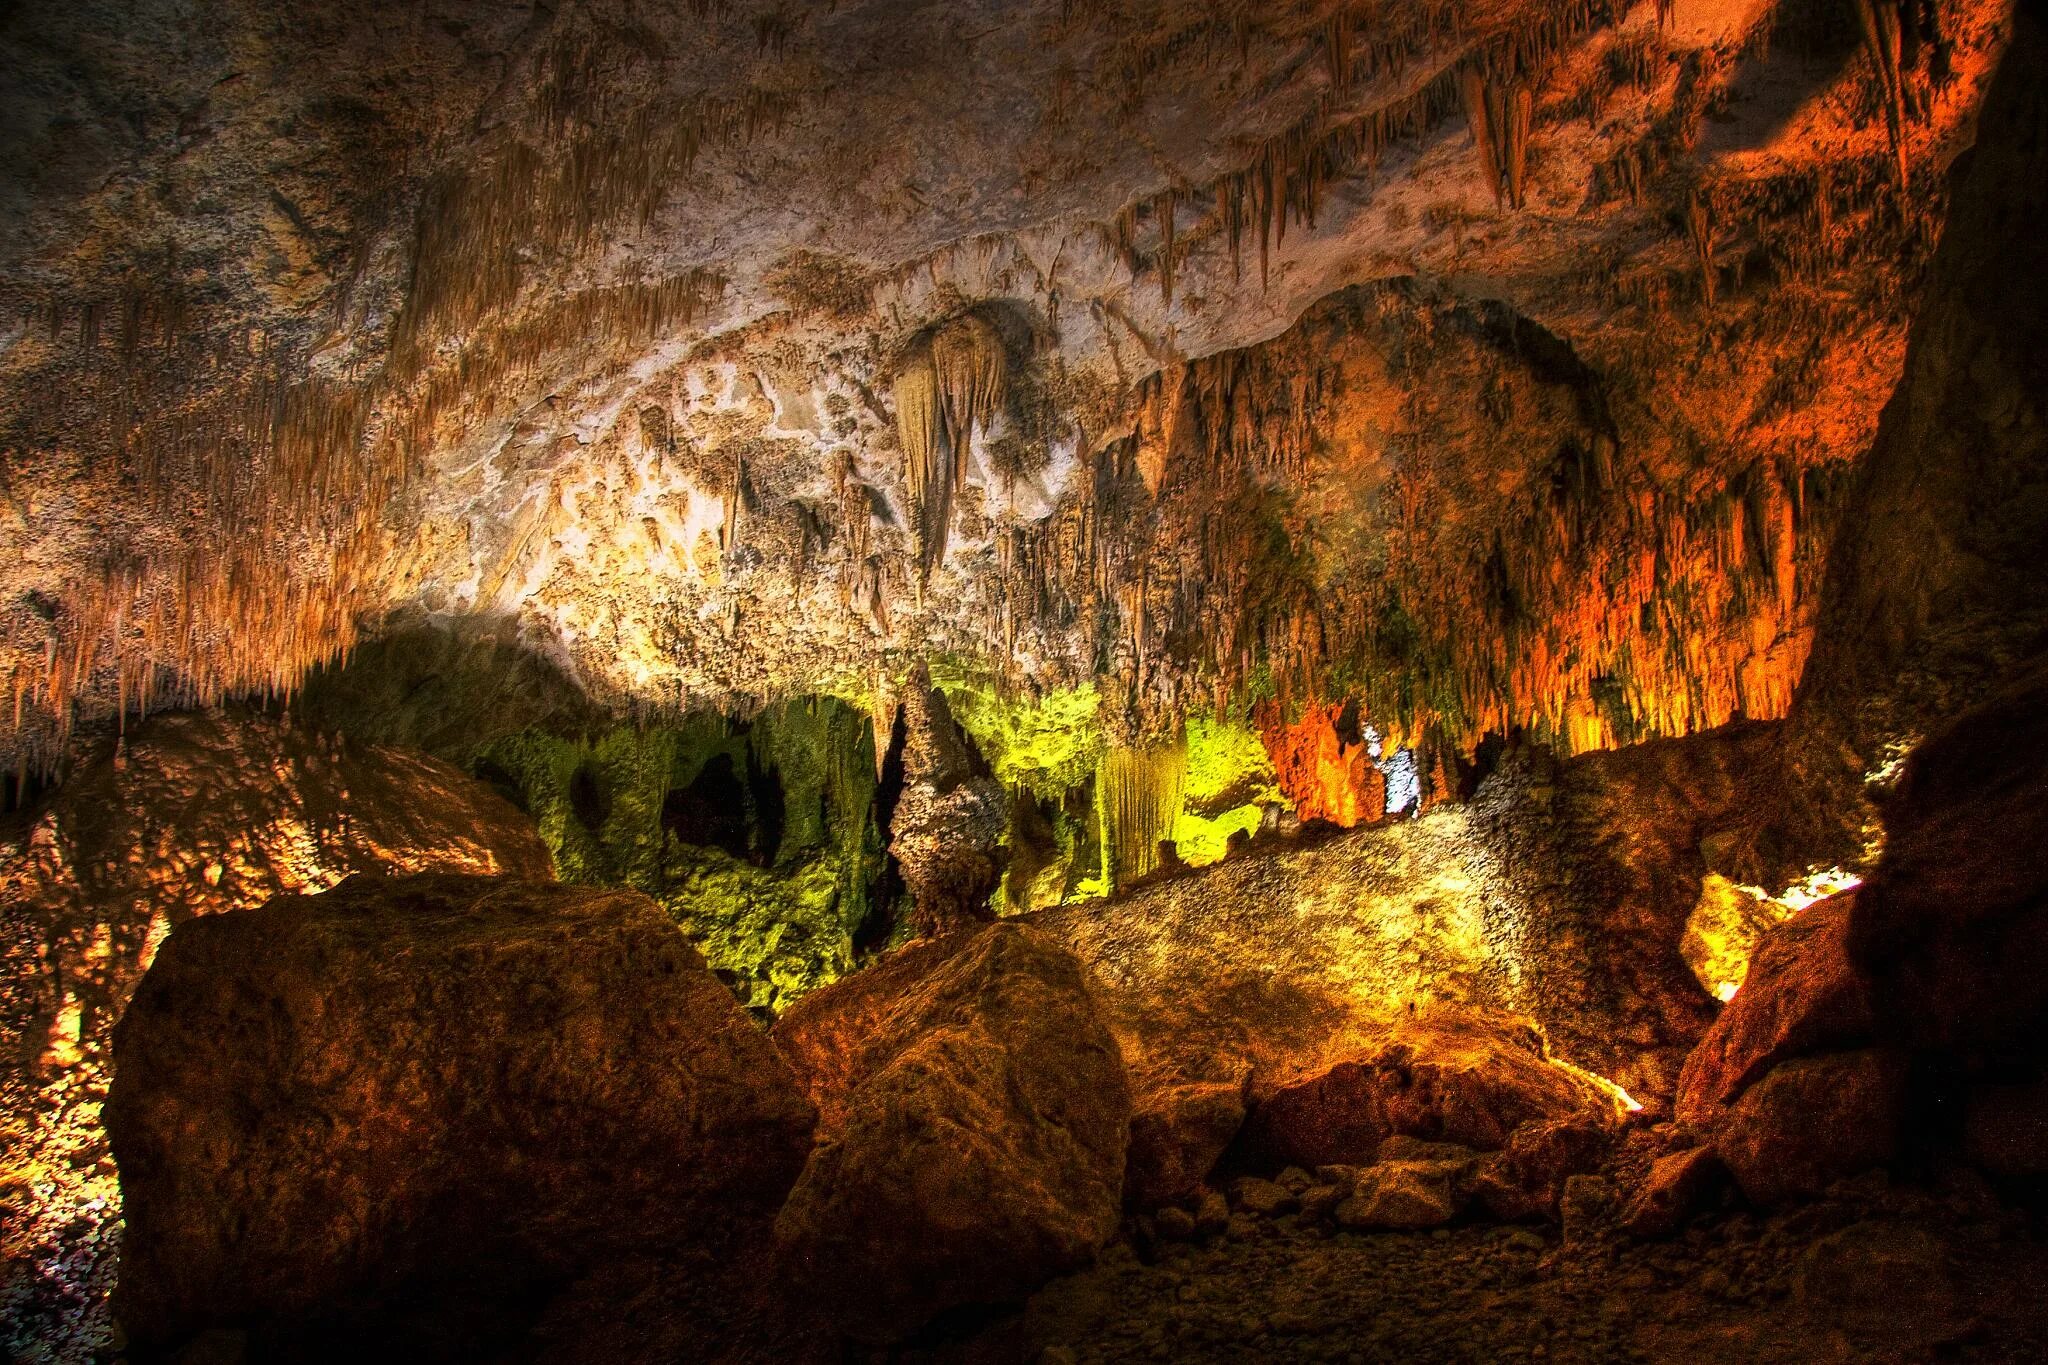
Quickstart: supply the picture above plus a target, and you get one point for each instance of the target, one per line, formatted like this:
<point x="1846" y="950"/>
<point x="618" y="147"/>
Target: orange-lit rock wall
<point x="1325" y="777"/>
<point x="1441" y="512"/>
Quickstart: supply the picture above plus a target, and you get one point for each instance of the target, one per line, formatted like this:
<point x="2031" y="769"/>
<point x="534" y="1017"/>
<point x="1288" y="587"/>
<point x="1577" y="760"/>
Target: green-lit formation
<point x="762" y="840"/>
<point x="759" y="838"/>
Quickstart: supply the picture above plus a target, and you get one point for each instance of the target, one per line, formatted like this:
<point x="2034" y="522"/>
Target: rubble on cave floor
<point x="1873" y="1271"/>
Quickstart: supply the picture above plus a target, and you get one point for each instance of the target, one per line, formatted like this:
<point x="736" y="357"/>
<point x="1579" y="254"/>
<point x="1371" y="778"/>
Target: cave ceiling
<point x="1494" y="361"/>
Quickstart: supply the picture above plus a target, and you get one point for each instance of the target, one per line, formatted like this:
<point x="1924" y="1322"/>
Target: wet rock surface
<point x="393" y="1111"/>
<point x="975" y="1115"/>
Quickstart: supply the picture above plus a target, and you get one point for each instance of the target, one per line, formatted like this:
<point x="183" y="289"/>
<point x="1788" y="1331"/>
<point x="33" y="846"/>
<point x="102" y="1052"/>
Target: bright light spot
<point x="1622" y="1101"/>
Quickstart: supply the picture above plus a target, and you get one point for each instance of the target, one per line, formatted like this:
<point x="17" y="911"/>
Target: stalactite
<point x="1893" y="32"/>
<point x="1288" y="176"/>
<point x="1699" y="229"/>
<point x="950" y="385"/>
<point x="1138" y="799"/>
<point x="1500" y="113"/>
<point x="1479" y="117"/>
<point x="281" y="481"/>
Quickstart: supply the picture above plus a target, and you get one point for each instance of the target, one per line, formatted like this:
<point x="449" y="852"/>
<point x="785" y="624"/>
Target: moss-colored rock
<point x="758" y="838"/>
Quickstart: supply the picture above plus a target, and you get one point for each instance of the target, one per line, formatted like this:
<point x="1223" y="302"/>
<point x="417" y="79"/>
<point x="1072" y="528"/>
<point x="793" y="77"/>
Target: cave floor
<point x="1879" y="1273"/>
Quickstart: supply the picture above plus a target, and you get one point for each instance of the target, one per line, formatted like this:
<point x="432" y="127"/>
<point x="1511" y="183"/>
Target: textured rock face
<point x="1559" y="894"/>
<point x="1803" y="994"/>
<point x="974" y="1118"/>
<point x="438" y="1085"/>
<point x="195" y="815"/>
<point x="1954" y="925"/>
<point x="647" y="330"/>
<point x="1938" y="593"/>
<point x="1441" y="1077"/>
<point x="947" y="829"/>
<point x="201" y="813"/>
<point x="1813" y="1121"/>
<point x="1179" y="1130"/>
<point x="1675" y="1187"/>
<point x="1526" y="1180"/>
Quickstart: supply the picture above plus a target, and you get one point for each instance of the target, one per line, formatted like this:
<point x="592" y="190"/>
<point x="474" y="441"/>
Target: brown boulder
<point x="1803" y="994"/>
<point x="1445" y="1075"/>
<point x="203" y="812"/>
<point x="1403" y="1194"/>
<point x="1179" y="1131"/>
<point x="1675" y="1188"/>
<point x="1811" y="1121"/>
<point x="1953" y="925"/>
<point x="435" y="1089"/>
<point x="1526" y="1179"/>
<point x="975" y="1115"/>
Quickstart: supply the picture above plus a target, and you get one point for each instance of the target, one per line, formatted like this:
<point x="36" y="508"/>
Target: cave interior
<point x="1043" y="681"/>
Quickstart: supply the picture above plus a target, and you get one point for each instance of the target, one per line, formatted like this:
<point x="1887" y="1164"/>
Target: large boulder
<point x="1180" y="1129"/>
<point x="974" y="1115"/>
<point x="1953" y="925"/>
<point x="1812" y="1121"/>
<point x="433" y="1089"/>
<point x="1446" y="1075"/>
<point x="190" y="814"/>
<point x="1803" y="994"/>
<point x="203" y="812"/>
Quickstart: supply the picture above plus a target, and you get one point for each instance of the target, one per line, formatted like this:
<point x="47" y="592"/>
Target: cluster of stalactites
<point x="1138" y="799"/>
<point x="951" y="384"/>
<point x="1432" y="68"/>
<point x="1897" y="36"/>
<point x="278" y="479"/>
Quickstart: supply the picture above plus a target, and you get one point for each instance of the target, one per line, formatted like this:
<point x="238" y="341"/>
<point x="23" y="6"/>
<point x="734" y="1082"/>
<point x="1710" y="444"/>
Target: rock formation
<point x="190" y="815"/>
<point x="410" y="1101"/>
<point x="949" y="819"/>
<point x="1333" y="676"/>
<point x="973" y="1121"/>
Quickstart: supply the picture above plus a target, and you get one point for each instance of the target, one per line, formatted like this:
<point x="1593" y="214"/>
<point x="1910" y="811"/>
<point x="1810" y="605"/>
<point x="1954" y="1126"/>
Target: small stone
<point x="1212" y="1214"/>
<point x="1174" y="1224"/>
<point x="1263" y="1197"/>
<point x="1295" y="1179"/>
<point x="1399" y="1195"/>
<point x="1317" y="1201"/>
<point x="1583" y="1204"/>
